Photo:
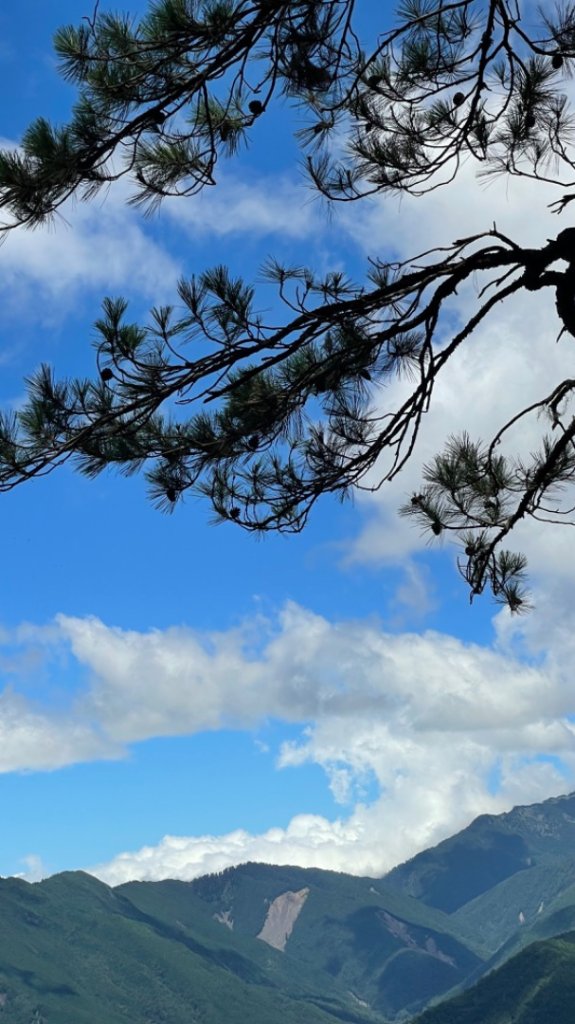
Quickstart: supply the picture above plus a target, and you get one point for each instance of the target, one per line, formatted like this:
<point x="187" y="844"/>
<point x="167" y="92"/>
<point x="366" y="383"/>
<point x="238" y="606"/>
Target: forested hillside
<point x="304" y="946"/>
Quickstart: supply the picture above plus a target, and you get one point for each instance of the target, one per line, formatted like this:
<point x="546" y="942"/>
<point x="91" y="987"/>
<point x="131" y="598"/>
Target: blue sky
<point x="177" y="696"/>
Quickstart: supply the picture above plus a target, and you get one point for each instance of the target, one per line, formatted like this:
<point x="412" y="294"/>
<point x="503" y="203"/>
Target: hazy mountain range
<point x="301" y="946"/>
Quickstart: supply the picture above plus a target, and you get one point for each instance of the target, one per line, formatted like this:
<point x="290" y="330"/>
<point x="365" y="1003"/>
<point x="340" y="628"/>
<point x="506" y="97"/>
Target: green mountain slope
<point x="535" y="987"/>
<point x="174" y="904"/>
<point x="270" y="944"/>
<point x="73" y="951"/>
<point x="392" y="952"/>
<point x="500" y="875"/>
<point x="535" y="904"/>
<point x="552" y="918"/>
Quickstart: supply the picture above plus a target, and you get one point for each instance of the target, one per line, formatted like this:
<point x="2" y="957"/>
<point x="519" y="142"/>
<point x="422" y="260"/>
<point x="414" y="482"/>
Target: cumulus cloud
<point x="107" y="245"/>
<point x="369" y="841"/>
<point x="511" y="362"/>
<point x="97" y="246"/>
<point x="262" y="206"/>
<point x="434" y="729"/>
<point x="33" y="739"/>
<point x="467" y="206"/>
<point x="309" y="840"/>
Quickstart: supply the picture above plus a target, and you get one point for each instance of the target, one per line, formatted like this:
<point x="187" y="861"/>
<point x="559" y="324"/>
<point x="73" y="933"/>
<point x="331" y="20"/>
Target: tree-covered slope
<point x="304" y="946"/>
<point x="535" y="987"/>
<point x="500" y="875"/>
<point x="73" y="951"/>
<point x="393" y="952"/>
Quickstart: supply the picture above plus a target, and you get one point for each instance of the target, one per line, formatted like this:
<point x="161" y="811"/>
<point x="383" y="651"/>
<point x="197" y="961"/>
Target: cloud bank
<point x="438" y="729"/>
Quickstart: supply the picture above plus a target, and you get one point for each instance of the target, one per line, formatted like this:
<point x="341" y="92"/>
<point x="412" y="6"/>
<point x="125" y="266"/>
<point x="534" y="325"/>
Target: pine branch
<point x="271" y="417"/>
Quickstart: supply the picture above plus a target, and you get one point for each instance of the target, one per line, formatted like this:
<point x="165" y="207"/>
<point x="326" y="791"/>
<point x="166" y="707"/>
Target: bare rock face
<point x="281" y="917"/>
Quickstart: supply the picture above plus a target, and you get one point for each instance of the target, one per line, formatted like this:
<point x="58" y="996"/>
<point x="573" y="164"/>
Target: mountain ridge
<point x="302" y="946"/>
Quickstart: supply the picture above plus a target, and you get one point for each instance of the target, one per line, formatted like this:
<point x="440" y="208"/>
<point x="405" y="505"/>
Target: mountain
<point x="500" y="876"/>
<point x="389" y="950"/>
<point x="535" y="987"/>
<point x="255" y="943"/>
<point x="74" y="951"/>
<point x="275" y="944"/>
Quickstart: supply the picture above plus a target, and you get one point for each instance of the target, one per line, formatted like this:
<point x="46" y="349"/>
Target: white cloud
<point x="106" y="247"/>
<point x="35" y="871"/>
<point x="32" y="739"/>
<point x="371" y="840"/>
<point x="98" y="246"/>
<point x="306" y="670"/>
<point x="309" y="840"/>
<point x="254" y="208"/>
<point x="438" y="729"/>
<point x="99" y="250"/>
<point x="466" y="207"/>
<point x="415" y="593"/>
<point x="164" y="683"/>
